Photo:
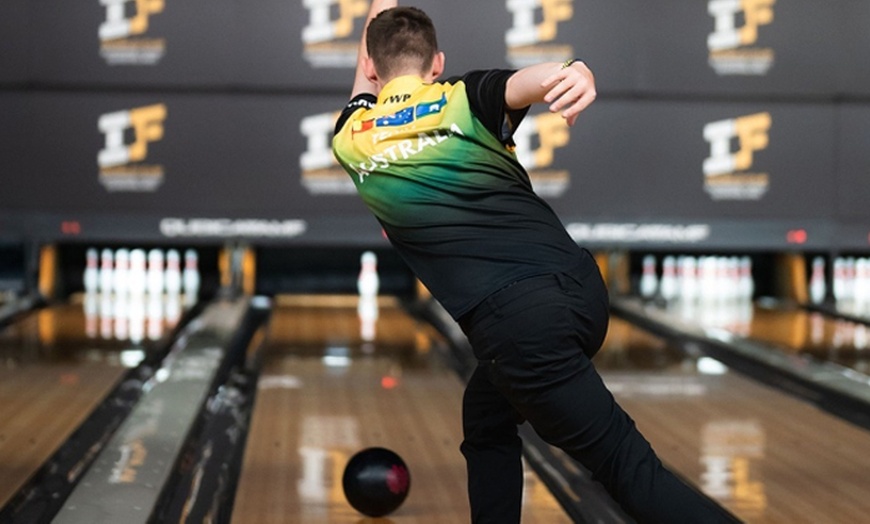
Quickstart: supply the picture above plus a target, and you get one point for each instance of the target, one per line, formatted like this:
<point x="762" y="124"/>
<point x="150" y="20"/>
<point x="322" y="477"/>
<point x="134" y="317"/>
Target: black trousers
<point x="533" y="341"/>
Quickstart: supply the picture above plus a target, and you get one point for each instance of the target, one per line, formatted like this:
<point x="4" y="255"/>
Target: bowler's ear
<point x="369" y="70"/>
<point x="438" y="64"/>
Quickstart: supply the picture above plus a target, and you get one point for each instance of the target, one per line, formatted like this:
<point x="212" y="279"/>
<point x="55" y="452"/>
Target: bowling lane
<point x="787" y="327"/>
<point x="56" y="367"/>
<point x="764" y="455"/>
<point x="325" y="393"/>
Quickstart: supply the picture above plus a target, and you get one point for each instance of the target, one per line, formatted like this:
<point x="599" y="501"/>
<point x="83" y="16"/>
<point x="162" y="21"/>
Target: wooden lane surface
<point x="767" y="457"/>
<point x="309" y="419"/>
<point x="49" y="384"/>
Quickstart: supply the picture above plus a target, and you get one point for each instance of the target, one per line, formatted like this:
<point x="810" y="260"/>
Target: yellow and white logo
<point x="122" y="37"/>
<point x="530" y="42"/>
<point x="726" y="173"/>
<point x="537" y="140"/>
<point x="321" y="173"/>
<point x="733" y="49"/>
<point x="332" y="42"/>
<point x="121" y="167"/>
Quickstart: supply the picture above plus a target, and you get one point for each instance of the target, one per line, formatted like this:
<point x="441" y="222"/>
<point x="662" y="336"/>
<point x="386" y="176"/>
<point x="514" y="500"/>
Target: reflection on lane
<point x="90" y="327"/>
<point x="789" y="328"/>
<point x="841" y="341"/>
<point x="758" y="452"/>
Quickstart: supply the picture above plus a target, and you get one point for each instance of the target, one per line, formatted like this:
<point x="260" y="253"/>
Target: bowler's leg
<point x="580" y="416"/>
<point x="492" y="451"/>
<point x="547" y="336"/>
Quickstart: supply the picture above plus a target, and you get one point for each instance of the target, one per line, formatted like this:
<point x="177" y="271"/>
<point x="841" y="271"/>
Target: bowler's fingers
<point x="581" y="104"/>
<point x="573" y="88"/>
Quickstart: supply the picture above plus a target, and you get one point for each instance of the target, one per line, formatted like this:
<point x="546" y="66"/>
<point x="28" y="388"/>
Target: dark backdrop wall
<point x="715" y="127"/>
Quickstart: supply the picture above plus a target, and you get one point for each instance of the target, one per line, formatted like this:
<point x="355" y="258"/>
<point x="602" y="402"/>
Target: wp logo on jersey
<point x="533" y="38"/>
<point x="122" y="166"/>
<point x="537" y="140"/>
<point x="727" y="174"/>
<point x="330" y="39"/>
<point x="734" y="48"/>
<point x="321" y="174"/>
<point x="123" y="39"/>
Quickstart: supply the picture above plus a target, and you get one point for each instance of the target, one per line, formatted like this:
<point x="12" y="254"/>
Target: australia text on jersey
<point x="404" y="150"/>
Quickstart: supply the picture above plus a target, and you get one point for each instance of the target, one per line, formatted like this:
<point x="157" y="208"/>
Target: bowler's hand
<point x="570" y="90"/>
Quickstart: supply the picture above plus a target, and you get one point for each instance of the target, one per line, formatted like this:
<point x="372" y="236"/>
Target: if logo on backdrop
<point x="122" y="161"/>
<point x="321" y="173"/>
<point x="537" y="140"/>
<point x="734" y="48"/>
<point x="727" y="174"/>
<point x="534" y="35"/>
<point x="330" y="38"/>
<point x="123" y="34"/>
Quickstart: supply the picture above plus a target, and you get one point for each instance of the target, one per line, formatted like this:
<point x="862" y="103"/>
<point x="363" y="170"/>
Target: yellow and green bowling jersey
<point x="435" y="164"/>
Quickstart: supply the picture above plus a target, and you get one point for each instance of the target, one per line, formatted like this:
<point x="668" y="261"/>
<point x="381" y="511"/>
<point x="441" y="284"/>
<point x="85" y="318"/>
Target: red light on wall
<point x="796" y="236"/>
<point x="70" y="227"/>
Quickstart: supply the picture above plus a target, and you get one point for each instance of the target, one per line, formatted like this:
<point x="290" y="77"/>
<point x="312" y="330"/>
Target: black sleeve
<point x="485" y="91"/>
<point x="365" y="100"/>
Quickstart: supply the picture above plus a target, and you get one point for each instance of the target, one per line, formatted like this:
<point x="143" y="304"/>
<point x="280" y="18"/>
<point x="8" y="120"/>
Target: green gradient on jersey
<point x="416" y="157"/>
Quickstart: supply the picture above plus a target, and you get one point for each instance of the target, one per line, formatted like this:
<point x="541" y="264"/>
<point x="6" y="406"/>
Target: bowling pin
<point x="862" y="283"/>
<point x="859" y="340"/>
<point x="172" y="308"/>
<point x="138" y="273"/>
<point x="850" y="279"/>
<point x="107" y="311"/>
<point x="707" y="285"/>
<point x="746" y="284"/>
<point x="91" y="277"/>
<point x="155" y="272"/>
<point x="725" y="281"/>
<point x="649" y="280"/>
<point x="190" y="276"/>
<point x="368" y="282"/>
<point x="818" y="285"/>
<point x="172" y="275"/>
<point x="136" y="318"/>
<point x="839" y="285"/>
<point x="107" y="262"/>
<point x="91" y="309"/>
<point x="689" y="281"/>
<point x="122" y="271"/>
<point x="120" y="314"/>
<point x="154" y="316"/>
<point x="669" y="286"/>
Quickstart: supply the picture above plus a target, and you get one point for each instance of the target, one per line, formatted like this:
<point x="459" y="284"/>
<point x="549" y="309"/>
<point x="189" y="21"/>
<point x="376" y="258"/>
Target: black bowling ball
<point x="376" y="481"/>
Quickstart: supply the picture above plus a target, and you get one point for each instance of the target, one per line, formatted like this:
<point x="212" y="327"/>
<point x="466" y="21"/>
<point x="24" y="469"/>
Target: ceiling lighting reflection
<point x="337" y="356"/>
<point x="711" y="366"/>
<point x="633" y="385"/>
<point x="279" y="382"/>
<point x="130" y="358"/>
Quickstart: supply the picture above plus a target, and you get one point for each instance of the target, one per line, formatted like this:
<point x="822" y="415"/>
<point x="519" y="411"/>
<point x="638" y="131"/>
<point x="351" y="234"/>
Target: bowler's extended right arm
<point x="361" y="83"/>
